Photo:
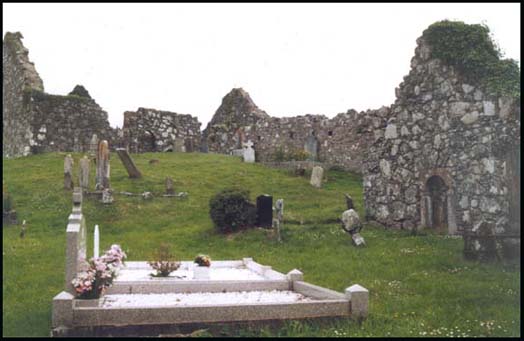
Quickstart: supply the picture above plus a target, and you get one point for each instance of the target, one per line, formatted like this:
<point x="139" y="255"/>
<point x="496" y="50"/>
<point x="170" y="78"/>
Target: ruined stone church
<point x="445" y="154"/>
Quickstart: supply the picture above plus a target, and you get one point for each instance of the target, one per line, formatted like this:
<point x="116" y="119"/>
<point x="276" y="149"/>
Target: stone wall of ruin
<point x="149" y="130"/>
<point x="35" y="121"/>
<point x="337" y="141"/>
<point x="441" y="126"/>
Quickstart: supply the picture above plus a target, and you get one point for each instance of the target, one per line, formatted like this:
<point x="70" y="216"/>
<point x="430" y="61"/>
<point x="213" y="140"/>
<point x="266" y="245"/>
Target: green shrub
<point x="470" y="49"/>
<point x="279" y="155"/>
<point x="231" y="210"/>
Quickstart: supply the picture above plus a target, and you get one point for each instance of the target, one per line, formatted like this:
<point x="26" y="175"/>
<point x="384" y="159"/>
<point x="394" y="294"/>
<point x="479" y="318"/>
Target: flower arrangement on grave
<point x="203" y="260"/>
<point x="100" y="273"/>
<point x="164" y="262"/>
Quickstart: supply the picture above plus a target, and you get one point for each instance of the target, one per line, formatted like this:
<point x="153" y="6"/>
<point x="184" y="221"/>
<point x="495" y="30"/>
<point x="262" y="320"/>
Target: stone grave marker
<point x="93" y="145"/>
<point x="249" y="152"/>
<point x="102" y="165"/>
<point x="311" y="147"/>
<point x="279" y="208"/>
<point x="169" y="186"/>
<point x="107" y="196"/>
<point x="76" y="242"/>
<point x="68" y="172"/>
<point x="264" y="210"/>
<point x="130" y="166"/>
<point x="349" y="201"/>
<point x="83" y="173"/>
<point x="179" y="145"/>
<point x="316" y="176"/>
<point x="352" y="225"/>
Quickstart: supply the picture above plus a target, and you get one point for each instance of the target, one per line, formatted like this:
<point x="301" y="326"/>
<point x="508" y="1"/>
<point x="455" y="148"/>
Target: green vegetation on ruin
<point x="419" y="285"/>
<point x="471" y="50"/>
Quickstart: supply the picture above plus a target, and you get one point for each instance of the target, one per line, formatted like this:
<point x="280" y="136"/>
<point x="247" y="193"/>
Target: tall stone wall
<point x="35" y="121"/>
<point x="149" y="130"/>
<point x="441" y="160"/>
<point x="338" y="141"/>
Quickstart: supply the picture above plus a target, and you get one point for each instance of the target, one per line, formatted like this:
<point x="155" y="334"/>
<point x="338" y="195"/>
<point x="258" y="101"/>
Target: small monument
<point x="83" y="173"/>
<point x="68" y="172"/>
<point x="316" y="177"/>
<point x="93" y="145"/>
<point x="107" y="196"/>
<point x="279" y="208"/>
<point x="130" y="166"/>
<point x="169" y="186"/>
<point x="102" y="165"/>
<point x="264" y="210"/>
<point x="249" y="152"/>
<point x="352" y="225"/>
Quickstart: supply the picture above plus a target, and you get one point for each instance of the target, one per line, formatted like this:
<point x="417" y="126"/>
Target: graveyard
<point x="419" y="283"/>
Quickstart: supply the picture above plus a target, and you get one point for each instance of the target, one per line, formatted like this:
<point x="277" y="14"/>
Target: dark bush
<point x="7" y="201"/>
<point x="231" y="210"/>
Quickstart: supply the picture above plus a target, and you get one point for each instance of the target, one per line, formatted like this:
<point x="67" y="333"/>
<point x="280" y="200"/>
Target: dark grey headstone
<point x="130" y="166"/>
<point x="264" y="210"/>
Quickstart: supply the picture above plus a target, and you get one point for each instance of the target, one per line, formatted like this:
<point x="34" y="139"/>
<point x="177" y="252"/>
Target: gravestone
<point x="352" y="225"/>
<point x="68" y="172"/>
<point x="316" y="176"/>
<point x="83" y="173"/>
<point x="93" y="145"/>
<point x="349" y="201"/>
<point x="169" y="186"/>
<point x="102" y="165"/>
<point x="107" y="196"/>
<point x="179" y="145"/>
<point x="279" y="208"/>
<point x="264" y="210"/>
<point x="76" y="242"/>
<point x="249" y="152"/>
<point x="130" y="166"/>
<point x="311" y="147"/>
<point x="188" y="144"/>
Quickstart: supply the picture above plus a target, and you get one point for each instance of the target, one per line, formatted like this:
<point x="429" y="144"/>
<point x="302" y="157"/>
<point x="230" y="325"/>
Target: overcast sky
<point x="293" y="59"/>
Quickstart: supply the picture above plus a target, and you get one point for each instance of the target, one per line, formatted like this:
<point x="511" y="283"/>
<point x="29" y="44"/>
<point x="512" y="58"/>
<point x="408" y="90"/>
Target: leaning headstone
<point x="128" y="163"/>
<point x="68" y="172"/>
<point x="316" y="176"/>
<point x="102" y="165"/>
<point x="249" y="152"/>
<point x="349" y="202"/>
<point x="264" y="210"/>
<point x="83" y="173"/>
<point x="107" y="197"/>
<point x="169" y="186"/>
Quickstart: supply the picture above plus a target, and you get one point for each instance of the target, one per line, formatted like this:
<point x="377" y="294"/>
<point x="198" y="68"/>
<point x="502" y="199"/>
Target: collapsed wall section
<point x="150" y="130"/>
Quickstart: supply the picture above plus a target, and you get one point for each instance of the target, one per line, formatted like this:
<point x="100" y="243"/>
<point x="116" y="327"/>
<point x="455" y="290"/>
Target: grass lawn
<point x="419" y="285"/>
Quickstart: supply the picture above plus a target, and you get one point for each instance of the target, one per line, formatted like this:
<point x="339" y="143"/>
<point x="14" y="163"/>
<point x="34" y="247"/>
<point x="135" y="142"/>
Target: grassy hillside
<point x="419" y="285"/>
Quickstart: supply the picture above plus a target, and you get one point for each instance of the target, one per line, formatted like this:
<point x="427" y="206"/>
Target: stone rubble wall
<point x="150" y="130"/>
<point x="341" y="140"/>
<point x="35" y="121"/>
<point x="441" y="126"/>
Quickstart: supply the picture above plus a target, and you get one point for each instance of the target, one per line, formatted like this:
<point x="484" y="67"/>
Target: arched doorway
<point x="147" y="142"/>
<point x="437" y="191"/>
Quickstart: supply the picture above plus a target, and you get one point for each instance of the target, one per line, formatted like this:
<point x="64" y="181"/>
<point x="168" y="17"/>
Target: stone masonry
<point x="445" y="157"/>
<point x="35" y="121"/>
<point x="150" y="130"/>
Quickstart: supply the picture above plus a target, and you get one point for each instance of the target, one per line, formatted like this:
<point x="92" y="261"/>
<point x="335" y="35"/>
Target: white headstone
<point x="96" y="240"/>
<point x="249" y="152"/>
